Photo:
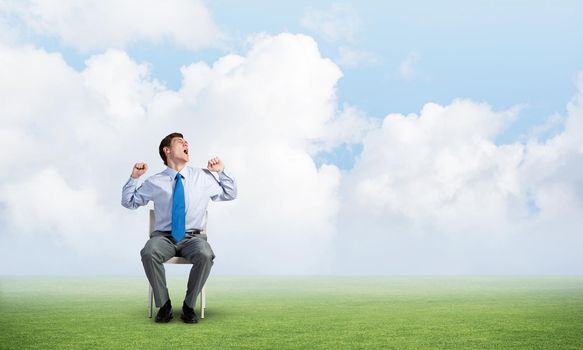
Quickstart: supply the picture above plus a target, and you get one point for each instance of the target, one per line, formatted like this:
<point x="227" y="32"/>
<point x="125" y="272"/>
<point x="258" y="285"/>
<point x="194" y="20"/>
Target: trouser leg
<point x="156" y="251"/>
<point x="199" y="253"/>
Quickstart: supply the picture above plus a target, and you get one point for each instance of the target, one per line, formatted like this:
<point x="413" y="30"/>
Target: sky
<point x="367" y="138"/>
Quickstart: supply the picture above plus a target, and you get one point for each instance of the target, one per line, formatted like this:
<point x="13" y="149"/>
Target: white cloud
<point x="433" y="193"/>
<point x="440" y="167"/>
<point x="407" y="66"/>
<point x="51" y="226"/>
<point x="553" y="169"/>
<point x="30" y="208"/>
<point x="260" y="112"/>
<point x="124" y="86"/>
<point x="338" y="23"/>
<point x="101" y="24"/>
<point x="551" y="125"/>
<point x="349" y="126"/>
<point x="20" y="68"/>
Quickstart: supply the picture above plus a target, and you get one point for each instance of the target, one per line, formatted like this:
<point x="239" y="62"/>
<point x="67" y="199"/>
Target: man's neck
<point x="176" y="166"/>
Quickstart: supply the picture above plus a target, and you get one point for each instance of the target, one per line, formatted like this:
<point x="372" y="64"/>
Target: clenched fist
<point x="139" y="170"/>
<point x="215" y="164"/>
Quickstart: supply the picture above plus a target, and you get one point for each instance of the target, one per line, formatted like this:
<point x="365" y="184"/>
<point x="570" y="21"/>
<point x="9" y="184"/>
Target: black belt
<point x="190" y="232"/>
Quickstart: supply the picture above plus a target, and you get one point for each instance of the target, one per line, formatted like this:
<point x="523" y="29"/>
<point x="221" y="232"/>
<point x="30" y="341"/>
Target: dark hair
<point x="166" y="143"/>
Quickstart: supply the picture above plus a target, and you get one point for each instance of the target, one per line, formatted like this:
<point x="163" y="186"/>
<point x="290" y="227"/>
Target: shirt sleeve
<point x="223" y="189"/>
<point x="133" y="196"/>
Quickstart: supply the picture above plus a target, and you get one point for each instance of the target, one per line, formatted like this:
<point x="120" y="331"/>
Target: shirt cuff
<point x="223" y="173"/>
<point x="132" y="181"/>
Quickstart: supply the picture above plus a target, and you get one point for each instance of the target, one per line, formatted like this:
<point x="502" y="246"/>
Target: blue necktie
<point x="178" y="210"/>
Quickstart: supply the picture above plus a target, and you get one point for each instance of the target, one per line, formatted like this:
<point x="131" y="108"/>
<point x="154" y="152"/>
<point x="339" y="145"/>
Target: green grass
<point x="299" y="312"/>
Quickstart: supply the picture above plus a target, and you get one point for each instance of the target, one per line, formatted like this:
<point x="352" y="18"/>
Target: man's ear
<point x="167" y="150"/>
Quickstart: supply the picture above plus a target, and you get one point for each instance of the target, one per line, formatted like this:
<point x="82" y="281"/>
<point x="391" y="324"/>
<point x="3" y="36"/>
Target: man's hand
<point x="139" y="170"/>
<point x="215" y="164"/>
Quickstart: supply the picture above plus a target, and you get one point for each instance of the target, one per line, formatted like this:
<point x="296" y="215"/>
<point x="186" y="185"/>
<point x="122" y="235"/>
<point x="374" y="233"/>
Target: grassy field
<point x="299" y="312"/>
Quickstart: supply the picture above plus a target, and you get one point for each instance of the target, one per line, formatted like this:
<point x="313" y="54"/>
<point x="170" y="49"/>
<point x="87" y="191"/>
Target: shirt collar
<point x="172" y="173"/>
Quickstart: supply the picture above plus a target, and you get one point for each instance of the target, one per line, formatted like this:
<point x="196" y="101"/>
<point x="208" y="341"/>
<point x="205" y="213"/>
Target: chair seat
<point x="177" y="260"/>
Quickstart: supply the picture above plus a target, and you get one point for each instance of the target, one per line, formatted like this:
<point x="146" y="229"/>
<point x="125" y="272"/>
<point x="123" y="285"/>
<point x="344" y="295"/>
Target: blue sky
<point x="447" y="135"/>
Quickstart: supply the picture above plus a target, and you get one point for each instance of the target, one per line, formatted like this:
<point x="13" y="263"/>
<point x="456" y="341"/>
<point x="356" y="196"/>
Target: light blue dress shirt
<point x="200" y="186"/>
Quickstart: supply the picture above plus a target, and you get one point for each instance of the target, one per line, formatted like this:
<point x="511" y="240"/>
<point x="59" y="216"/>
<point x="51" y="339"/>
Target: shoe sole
<point x="165" y="320"/>
<point x="186" y="320"/>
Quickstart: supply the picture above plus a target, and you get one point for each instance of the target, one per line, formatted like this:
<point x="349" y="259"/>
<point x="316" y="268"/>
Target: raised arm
<point x="133" y="196"/>
<point x="225" y="189"/>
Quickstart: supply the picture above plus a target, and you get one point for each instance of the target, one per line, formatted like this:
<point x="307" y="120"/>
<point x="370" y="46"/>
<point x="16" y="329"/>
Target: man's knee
<point x="204" y="255"/>
<point x="146" y="253"/>
<point x="151" y="251"/>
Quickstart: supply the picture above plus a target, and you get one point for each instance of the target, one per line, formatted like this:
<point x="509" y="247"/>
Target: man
<point x="181" y="195"/>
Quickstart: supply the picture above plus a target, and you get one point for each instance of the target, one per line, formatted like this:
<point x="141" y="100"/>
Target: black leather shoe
<point x="188" y="315"/>
<point x="165" y="313"/>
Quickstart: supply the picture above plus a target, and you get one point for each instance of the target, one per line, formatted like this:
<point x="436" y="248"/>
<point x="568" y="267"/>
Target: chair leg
<point x="150" y="300"/>
<point x="202" y="301"/>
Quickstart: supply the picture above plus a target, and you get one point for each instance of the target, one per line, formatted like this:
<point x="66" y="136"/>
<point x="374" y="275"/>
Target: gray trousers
<point x="161" y="247"/>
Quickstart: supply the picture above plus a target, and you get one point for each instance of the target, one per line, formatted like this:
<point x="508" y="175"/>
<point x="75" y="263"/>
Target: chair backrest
<point x="153" y="220"/>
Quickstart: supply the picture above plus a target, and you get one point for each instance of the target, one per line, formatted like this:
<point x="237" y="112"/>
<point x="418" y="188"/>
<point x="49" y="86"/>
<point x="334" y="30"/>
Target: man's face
<point x="179" y="150"/>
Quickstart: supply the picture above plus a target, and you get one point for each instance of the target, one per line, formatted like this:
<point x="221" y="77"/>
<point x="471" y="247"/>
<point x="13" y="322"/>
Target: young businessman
<point x="181" y="195"/>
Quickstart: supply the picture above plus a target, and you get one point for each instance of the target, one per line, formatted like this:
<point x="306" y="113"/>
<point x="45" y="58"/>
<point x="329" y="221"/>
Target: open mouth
<point x="186" y="151"/>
